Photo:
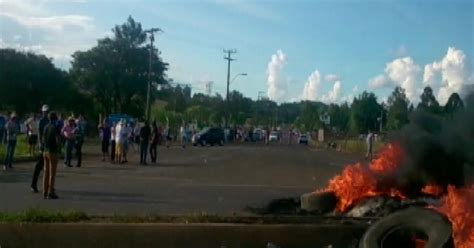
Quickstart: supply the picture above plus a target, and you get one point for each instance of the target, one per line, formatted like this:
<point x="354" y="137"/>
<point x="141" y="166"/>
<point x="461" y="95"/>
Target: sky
<point x="291" y="50"/>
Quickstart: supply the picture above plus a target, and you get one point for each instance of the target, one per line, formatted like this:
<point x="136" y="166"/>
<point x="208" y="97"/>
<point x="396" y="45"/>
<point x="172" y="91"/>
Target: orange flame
<point x="433" y="189"/>
<point x="458" y="206"/>
<point x="419" y="243"/>
<point x="357" y="181"/>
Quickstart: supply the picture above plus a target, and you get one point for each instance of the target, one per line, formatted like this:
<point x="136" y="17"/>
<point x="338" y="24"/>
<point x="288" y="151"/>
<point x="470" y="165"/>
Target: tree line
<point x="112" y="77"/>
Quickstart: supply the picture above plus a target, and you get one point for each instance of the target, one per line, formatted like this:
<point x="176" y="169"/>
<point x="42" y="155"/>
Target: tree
<point x="28" y="80"/>
<point x="340" y="116"/>
<point x="309" y="118"/>
<point x="239" y="108"/>
<point x="454" y="104"/>
<point x="115" y="72"/>
<point x="364" y="113"/>
<point x="397" y="109"/>
<point x="428" y="101"/>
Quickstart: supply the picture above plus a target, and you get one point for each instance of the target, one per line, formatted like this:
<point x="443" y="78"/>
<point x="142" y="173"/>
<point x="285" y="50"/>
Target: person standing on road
<point x="113" y="134"/>
<point x="12" y="131"/>
<point x="40" y="162"/>
<point x="155" y="139"/>
<point x="68" y="134"/>
<point x="145" y="134"/>
<point x="105" y="136"/>
<point x="79" y="133"/>
<point x="370" y="143"/>
<point x="32" y="127"/>
<point x="51" y="151"/>
<point x="120" y="139"/>
<point x="2" y="128"/>
<point x="127" y="142"/>
<point x="182" y="132"/>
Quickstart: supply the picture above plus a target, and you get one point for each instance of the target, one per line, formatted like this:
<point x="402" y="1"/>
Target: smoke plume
<point x="436" y="148"/>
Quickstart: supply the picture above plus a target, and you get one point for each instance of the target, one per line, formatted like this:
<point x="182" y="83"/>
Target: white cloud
<point x="312" y="87"/>
<point x="379" y="81"/>
<point x="312" y="90"/>
<point x="31" y="26"/>
<point x="56" y="24"/>
<point x="453" y="71"/>
<point x="403" y="72"/>
<point x="332" y="78"/>
<point x="334" y="95"/>
<point x="276" y="80"/>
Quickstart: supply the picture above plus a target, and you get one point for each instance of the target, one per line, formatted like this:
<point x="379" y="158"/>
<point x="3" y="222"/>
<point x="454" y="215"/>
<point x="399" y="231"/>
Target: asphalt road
<point x="216" y="180"/>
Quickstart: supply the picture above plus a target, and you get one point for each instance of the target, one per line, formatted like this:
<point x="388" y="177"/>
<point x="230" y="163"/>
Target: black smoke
<point x="437" y="147"/>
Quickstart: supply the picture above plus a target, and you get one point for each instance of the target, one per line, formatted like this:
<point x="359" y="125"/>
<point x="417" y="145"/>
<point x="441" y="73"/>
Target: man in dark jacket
<point x="40" y="162"/>
<point x="51" y="143"/>
<point x="145" y="134"/>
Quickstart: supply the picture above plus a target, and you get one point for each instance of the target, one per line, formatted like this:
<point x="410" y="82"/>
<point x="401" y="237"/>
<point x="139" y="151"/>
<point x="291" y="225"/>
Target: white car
<point x="274" y="136"/>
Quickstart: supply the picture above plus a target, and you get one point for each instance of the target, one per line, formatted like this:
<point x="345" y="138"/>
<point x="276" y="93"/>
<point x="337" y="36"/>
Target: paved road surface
<point x="218" y="180"/>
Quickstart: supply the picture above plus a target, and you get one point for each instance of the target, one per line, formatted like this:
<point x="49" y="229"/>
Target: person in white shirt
<point x="370" y="144"/>
<point x="112" y="142"/>
<point x="32" y="126"/>
<point x="119" y="139"/>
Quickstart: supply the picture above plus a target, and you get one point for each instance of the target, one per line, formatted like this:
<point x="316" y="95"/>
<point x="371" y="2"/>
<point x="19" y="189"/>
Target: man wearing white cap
<point x="40" y="163"/>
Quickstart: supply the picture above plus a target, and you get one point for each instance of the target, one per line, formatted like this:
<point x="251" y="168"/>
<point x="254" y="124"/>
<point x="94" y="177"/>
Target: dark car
<point x="303" y="139"/>
<point x="210" y="136"/>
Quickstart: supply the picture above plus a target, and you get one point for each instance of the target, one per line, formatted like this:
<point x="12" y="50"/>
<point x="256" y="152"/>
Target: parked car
<point x="274" y="136"/>
<point x="303" y="139"/>
<point x="210" y="136"/>
<point x="257" y="135"/>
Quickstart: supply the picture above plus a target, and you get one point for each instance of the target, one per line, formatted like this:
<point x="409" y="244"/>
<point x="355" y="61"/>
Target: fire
<point x="433" y="189"/>
<point x="458" y="206"/>
<point x="388" y="160"/>
<point x="358" y="181"/>
<point x="419" y="243"/>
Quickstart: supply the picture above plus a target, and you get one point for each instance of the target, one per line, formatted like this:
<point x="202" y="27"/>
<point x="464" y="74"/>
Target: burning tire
<point x="408" y="228"/>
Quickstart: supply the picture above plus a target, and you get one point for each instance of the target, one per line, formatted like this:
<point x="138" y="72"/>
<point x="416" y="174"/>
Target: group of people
<point x="120" y="136"/>
<point x="50" y="135"/>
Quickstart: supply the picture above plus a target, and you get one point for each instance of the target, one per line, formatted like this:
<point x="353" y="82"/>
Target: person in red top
<point x="68" y="133"/>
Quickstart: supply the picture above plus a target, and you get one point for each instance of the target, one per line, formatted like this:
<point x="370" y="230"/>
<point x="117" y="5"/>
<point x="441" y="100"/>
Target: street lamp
<point x="240" y="74"/>
<point x="151" y="32"/>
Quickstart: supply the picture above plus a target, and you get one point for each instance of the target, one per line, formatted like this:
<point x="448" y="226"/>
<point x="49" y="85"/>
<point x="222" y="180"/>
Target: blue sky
<point x="364" y="45"/>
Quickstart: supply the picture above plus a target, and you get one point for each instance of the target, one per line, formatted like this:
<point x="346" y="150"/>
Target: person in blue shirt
<point x="3" y="121"/>
<point x="12" y="131"/>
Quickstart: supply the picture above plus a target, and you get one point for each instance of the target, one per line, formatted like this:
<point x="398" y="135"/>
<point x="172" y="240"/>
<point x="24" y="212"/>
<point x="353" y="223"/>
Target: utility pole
<point x="229" y="59"/>
<point x="148" y="93"/>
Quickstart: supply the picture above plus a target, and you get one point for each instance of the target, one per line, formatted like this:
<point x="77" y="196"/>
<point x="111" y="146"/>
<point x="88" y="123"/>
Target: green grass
<point x="47" y="216"/>
<point x="21" y="149"/>
<point x="352" y="145"/>
<point x="43" y="216"/>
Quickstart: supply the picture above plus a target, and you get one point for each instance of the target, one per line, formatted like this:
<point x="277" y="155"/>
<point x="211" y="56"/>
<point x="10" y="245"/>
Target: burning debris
<point x="423" y="166"/>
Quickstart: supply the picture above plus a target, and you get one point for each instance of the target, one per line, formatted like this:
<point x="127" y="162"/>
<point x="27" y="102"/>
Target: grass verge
<point x="47" y="216"/>
<point x="21" y="149"/>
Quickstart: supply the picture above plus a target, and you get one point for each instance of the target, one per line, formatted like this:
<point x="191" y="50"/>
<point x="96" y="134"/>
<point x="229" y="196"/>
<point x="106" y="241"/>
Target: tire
<point x="434" y="227"/>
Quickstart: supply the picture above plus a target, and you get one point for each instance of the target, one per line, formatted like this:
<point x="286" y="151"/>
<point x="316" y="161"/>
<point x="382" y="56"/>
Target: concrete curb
<point x="178" y="235"/>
